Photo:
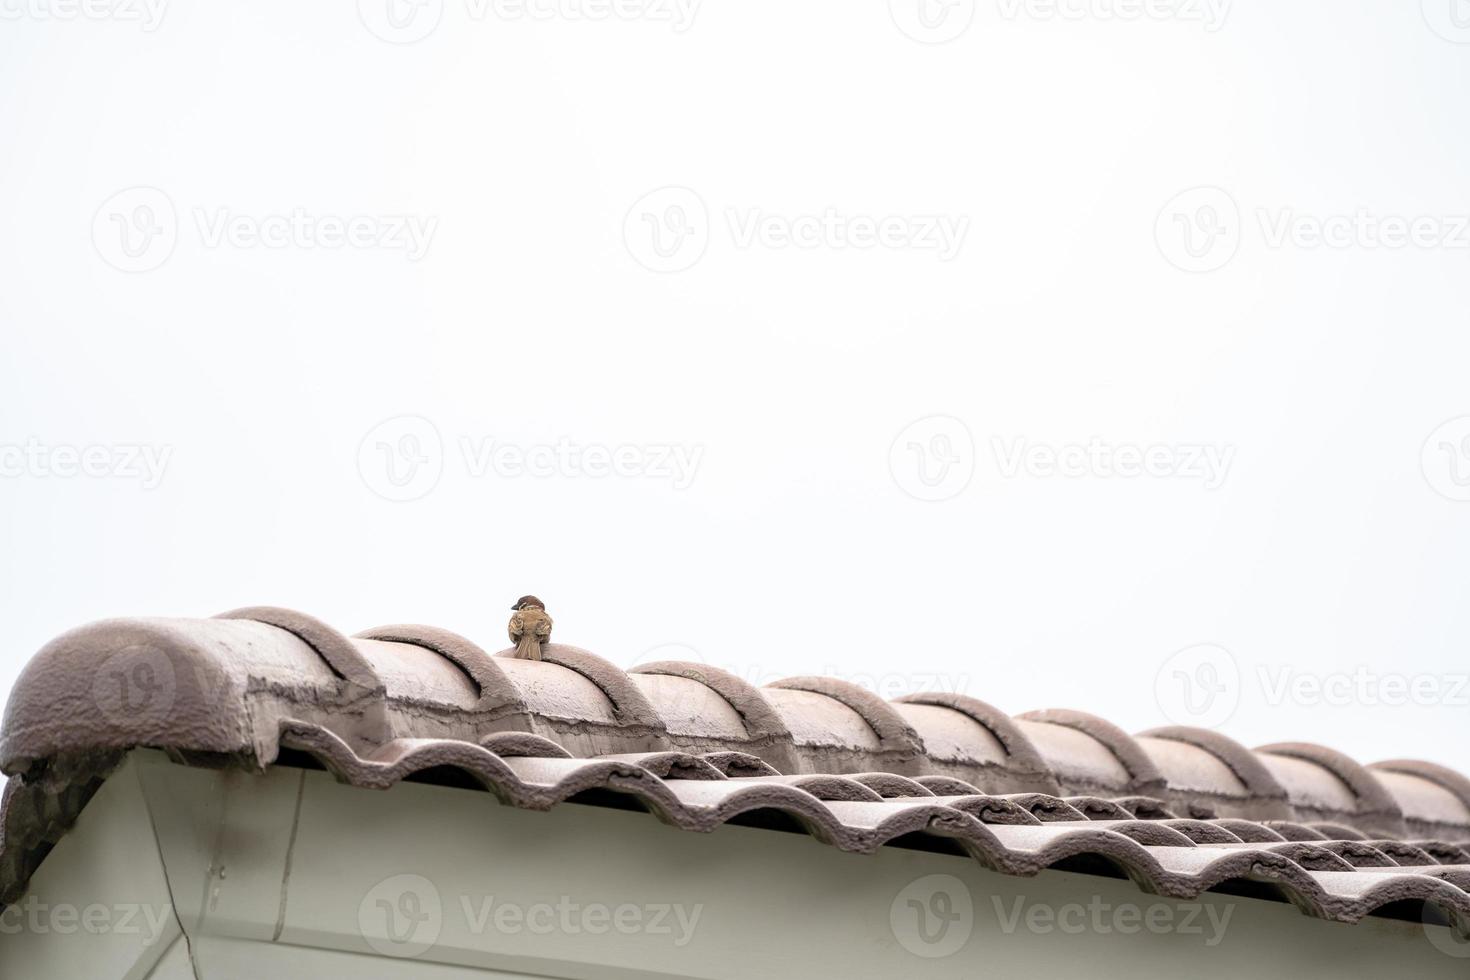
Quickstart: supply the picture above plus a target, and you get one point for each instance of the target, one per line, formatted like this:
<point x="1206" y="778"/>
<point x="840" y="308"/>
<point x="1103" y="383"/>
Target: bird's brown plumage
<point x="529" y="628"/>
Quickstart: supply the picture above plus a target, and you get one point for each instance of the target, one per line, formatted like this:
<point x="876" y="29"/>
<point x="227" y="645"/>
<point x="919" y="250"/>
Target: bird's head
<point x="529" y="602"/>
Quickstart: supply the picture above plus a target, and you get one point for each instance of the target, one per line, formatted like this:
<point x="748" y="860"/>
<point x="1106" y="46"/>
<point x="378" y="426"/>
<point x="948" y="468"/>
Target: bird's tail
<point x="528" y="647"/>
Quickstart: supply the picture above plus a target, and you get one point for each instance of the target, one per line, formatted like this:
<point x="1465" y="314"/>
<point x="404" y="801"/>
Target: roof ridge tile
<point x="1143" y="775"/>
<point x="894" y="732"/>
<point x="761" y="719"/>
<point x="262" y="679"/>
<point x="492" y="684"/>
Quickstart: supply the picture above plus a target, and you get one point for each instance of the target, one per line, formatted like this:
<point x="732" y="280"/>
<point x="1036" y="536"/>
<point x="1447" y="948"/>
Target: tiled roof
<point x="1179" y="810"/>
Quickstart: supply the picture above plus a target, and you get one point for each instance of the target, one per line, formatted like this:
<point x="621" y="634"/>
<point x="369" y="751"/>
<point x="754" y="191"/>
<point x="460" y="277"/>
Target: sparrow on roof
<point x="530" y="627"/>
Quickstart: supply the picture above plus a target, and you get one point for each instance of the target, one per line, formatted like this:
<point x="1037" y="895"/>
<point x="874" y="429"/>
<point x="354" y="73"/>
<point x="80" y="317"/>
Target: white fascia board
<point x="99" y="906"/>
<point x="292" y="874"/>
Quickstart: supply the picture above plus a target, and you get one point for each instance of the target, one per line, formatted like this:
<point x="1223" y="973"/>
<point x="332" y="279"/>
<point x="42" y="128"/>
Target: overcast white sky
<point x="771" y="334"/>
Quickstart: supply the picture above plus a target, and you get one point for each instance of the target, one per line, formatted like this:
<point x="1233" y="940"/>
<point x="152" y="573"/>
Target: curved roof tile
<point x="341" y="655"/>
<point x="223" y="683"/>
<point x="667" y="684"/>
<point x="494" y="689"/>
<point x="1434" y="800"/>
<point x="1202" y="766"/>
<point x="893" y="732"/>
<point x="1087" y="753"/>
<point x="976" y="742"/>
<point x="700" y="747"/>
<point x="1326" y="783"/>
<point x="630" y="708"/>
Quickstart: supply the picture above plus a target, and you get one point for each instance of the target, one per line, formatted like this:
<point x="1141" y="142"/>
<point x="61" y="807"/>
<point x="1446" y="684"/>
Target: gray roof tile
<point x="1182" y="810"/>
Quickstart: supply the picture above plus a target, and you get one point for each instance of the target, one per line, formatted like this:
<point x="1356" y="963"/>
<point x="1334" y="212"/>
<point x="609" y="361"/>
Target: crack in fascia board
<point x="290" y="853"/>
<point x="168" y="882"/>
<point x="215" y="872"/>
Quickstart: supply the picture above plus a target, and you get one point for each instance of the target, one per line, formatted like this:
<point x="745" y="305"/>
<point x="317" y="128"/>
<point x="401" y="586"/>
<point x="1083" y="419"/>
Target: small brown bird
<point x="529" y="627"/>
